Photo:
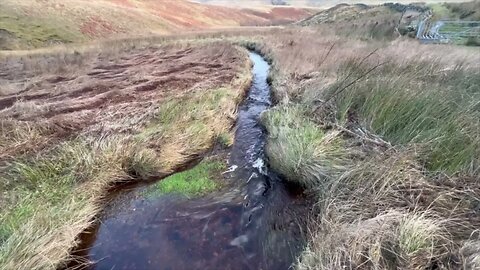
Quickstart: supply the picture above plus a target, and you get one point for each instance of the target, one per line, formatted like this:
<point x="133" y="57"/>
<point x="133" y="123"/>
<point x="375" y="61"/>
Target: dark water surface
<point x="253" y="223"/>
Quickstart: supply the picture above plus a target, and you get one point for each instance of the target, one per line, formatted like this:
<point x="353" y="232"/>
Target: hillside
<point x="358" y="20"/>
<point x="30" y="24"/>
<point x="468" y="11"/>
<point x="310" y="3"/>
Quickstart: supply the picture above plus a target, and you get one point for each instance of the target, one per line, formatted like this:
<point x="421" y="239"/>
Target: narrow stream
<point x="253" y="223"/>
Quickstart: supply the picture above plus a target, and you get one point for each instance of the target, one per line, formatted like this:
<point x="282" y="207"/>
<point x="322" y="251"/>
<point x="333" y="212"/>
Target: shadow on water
<point x="254" y="223"/>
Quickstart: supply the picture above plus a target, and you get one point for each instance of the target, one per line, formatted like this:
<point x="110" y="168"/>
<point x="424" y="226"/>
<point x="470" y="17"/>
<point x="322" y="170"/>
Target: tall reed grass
<point x="421" y="104"/>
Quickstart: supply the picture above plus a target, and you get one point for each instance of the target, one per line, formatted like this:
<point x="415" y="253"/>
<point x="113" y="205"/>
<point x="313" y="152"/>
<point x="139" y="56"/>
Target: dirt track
<point x="110" y="92"/>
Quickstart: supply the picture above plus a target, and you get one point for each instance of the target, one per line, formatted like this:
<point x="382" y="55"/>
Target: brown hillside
<point x="37" y="23"/>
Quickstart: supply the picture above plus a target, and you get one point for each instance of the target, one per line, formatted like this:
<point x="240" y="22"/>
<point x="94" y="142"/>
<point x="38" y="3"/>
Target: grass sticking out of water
<point x="225" y="139"/>
<point x="194" y="182"/>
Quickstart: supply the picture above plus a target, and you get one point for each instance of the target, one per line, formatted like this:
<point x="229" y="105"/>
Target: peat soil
<point x="112" y="91"/>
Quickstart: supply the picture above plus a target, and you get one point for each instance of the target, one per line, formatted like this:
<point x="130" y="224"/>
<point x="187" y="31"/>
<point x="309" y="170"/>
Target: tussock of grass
<point x="300" y="150"/>
<point x="351" y="233"/>
<point x="385" y="214"/>
<point x="49" y="178"/>
<point x="49" y="231"/>
<point x="392" y="240"/>
<point x="190" y="123"/>
<point x="51" y="198"/>
<point x="419" y="236"/>
<point x="194" y="182"/>
<point x="142" y="164"/>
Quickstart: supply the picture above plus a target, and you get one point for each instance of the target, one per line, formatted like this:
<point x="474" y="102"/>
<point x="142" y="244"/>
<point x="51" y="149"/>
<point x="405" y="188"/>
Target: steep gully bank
<point x="254" y="222"/>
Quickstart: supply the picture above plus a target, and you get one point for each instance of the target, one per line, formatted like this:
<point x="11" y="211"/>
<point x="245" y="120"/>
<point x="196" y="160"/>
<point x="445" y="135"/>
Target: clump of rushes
<point x="197" y="181"/>
<point x="418" y="103"/>
<point x="299" y="150"/>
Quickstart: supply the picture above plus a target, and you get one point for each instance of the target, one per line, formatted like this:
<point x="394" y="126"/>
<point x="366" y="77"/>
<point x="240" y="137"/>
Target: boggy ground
<point x="98" y="94"/>
<point x="73" y="124"/>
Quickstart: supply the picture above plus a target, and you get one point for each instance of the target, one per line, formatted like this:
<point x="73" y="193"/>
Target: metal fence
<point x="447" y="31"/>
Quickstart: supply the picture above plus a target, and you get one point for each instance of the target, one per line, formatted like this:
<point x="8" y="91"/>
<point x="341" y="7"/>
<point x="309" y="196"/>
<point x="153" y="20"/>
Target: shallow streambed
<point x="253" y="222"/>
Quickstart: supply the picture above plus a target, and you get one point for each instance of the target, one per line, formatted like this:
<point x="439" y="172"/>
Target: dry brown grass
<point x="387" y="213"/>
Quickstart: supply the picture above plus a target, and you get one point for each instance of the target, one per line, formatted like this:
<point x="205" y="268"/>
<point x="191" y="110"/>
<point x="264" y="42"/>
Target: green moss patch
<point x="194" y="182"/>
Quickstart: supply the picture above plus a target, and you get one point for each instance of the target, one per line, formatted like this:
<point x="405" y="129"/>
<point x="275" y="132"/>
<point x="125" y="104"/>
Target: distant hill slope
<point x="468" y="11"/>
<point x="356" y="13"/>
<point x="312" y="3"/>
<point x="378" y="22"/>
<point x="35" y="23"/>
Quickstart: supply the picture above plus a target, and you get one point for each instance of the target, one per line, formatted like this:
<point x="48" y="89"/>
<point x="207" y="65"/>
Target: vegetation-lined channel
<point x="250" y="223"/>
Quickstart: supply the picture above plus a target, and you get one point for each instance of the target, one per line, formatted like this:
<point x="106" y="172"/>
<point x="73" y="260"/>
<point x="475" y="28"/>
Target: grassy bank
<point x="386" y="135"/>
<point x="55" y="174"/>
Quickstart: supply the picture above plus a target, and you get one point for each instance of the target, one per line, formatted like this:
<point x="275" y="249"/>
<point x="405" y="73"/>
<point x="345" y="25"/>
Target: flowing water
<point x="253" y="223"/>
